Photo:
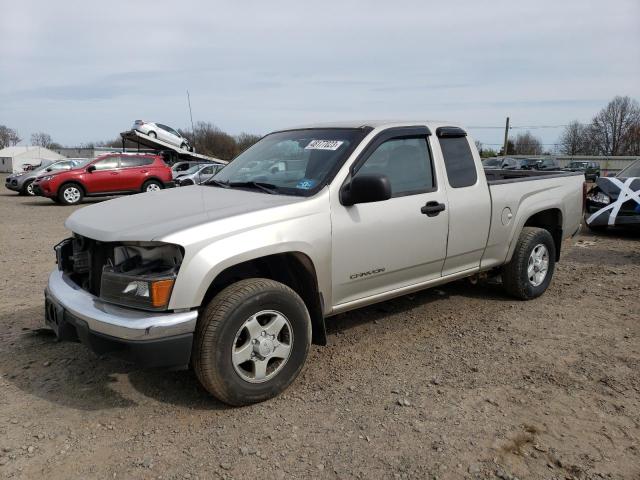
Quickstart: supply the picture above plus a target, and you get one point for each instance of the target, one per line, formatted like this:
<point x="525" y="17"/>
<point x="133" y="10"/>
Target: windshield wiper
<point x="265" y="187"/>
<point x="217" y="183"/>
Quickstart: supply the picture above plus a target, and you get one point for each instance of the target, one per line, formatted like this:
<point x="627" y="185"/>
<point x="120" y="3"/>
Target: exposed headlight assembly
<point x="141" y="276"/>
<point x="599" y="197"/>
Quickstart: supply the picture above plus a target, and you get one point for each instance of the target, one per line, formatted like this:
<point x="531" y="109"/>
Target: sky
<point x="83" y="71"/>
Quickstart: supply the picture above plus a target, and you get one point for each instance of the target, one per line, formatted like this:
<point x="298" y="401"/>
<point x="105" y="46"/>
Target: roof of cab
<point x="379" y="124"/>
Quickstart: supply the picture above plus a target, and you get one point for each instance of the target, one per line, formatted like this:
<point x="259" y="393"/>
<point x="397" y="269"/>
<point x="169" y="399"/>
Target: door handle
<point x="431" y="209"/>
<point x="115" y="173"/>
<point x="143" y="171"/>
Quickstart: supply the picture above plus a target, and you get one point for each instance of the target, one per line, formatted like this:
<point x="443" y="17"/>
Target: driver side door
<point x="387" y="245"/>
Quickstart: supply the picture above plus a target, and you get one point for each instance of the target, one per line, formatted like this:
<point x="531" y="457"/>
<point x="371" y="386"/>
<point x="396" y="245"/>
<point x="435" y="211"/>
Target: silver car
<point x="197" y="174"/>
<point x="22" y="182"/>
<point x="162" y="132"/>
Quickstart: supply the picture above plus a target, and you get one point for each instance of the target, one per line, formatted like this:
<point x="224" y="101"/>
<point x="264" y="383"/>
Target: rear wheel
<point x="251" y="341"/>
<point x="151" y="186"/>
<point x="70" y="194"/>
<point x="152" y="134"/>
<point x="531" y="268"/>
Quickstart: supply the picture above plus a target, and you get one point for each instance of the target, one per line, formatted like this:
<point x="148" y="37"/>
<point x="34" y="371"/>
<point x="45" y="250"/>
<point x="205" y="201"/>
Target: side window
<point x="135" y="161"/>
<point x="458" y="161"/>
<point x="108" y="163"/>
<point x="406" y="163"/>
<point x="207" y="171"/>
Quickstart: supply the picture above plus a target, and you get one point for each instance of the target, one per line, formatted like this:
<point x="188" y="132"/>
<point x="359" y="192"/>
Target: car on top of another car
<point x="110" y="174"/>
<point x="162" y="132"/>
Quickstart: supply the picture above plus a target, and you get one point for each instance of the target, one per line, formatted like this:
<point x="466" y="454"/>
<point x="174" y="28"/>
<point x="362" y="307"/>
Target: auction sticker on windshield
<point x="324" y="145"/>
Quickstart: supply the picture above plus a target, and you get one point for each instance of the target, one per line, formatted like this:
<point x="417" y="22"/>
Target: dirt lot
<point x="457" y="382"/>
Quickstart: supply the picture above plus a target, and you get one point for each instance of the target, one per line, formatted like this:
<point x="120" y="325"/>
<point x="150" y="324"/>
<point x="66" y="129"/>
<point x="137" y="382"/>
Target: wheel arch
<point x="151" y="179"/>
<point x="549" y="219"/>
<point x="71" y="182"/>
<point x="294" y="269"/>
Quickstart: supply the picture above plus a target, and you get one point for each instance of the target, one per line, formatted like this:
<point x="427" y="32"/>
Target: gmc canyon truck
<point x="236" y="277"/>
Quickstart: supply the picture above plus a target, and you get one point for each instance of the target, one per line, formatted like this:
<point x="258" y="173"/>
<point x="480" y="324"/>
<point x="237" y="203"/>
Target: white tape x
<point x="626" y="194"/>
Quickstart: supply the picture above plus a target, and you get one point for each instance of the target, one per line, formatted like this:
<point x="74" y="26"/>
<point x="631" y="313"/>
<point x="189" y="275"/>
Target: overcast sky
<point x="84" y="70"/>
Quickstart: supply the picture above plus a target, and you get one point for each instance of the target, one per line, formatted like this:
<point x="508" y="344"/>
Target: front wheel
<point x="251" y="341"/>
<point x="151" y="186"/>
<point x="152" y="134"/>
<point x="27" y="189"/>
<point x="70" y="194"/>
<point x="531" y="268"/>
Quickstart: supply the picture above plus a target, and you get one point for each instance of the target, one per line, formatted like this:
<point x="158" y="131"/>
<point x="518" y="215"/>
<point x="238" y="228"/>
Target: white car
<point x="162" y="132"/>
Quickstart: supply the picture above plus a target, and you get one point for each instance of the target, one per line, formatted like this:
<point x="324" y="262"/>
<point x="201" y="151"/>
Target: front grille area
<point x="83" y="259"/>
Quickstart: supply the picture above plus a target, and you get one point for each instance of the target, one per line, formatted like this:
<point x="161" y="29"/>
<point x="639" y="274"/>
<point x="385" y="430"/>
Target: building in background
<point x="13" y="159"/>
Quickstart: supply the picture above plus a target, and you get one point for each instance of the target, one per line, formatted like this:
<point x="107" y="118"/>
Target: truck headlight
<point x="148" y="293"/>
<point x="599" y="197"/>
<point x="141" y="275"/>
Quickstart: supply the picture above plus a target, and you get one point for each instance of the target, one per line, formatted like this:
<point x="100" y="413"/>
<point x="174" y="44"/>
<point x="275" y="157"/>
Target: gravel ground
<point x="454" y="382"/>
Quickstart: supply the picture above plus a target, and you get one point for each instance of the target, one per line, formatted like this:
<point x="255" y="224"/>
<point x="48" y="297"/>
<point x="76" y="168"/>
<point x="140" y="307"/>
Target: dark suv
<point x="591" y="169"/>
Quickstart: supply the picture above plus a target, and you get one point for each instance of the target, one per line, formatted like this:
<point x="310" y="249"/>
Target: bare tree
<point x="8" y="137"/>
<point x="527" y="144"/>
<point x="573" y="138"/>
<point x="41" y="139"/>
<point x="244" y="141"/>
<point x="612" y="128"/>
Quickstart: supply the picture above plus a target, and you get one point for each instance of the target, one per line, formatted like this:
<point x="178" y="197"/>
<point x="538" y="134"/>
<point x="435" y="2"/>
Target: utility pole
<point x="193" y="131"/>
<point x="506" y="138"/>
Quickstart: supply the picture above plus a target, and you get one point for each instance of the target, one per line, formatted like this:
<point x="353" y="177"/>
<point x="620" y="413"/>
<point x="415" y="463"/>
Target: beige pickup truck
<point x="235" y="277"/>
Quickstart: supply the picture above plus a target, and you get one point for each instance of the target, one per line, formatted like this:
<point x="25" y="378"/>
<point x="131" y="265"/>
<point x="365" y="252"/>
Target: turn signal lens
<point x="161" y="292"/>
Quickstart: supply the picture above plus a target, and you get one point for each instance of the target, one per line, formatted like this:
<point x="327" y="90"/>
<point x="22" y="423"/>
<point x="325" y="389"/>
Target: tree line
<point x="614" y="130"/>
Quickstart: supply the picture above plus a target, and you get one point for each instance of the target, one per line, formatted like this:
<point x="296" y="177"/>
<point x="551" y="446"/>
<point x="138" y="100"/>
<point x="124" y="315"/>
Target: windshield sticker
<point x="324" y="145"/>
<point x="306" y="184"/>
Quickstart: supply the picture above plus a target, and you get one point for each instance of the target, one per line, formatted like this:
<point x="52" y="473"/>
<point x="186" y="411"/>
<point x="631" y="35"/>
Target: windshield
<point x="294" y="162"/>
<point x="632" y="170"/>
<point x="191" y="170"/>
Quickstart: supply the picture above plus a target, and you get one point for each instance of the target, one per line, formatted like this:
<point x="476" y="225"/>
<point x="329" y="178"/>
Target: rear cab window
<point x="458" y="158"/>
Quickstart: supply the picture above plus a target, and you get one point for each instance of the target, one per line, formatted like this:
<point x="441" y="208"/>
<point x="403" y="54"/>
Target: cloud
<point x="83" y="71"/>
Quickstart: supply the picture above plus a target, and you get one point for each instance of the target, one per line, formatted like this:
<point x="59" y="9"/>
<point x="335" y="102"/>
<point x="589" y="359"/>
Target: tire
<point x="151" y="186"/>
<point x="152" y="134"/>
<point x="184" y="146"/>
<point x="225" y="327"/>
<point x="70" y="194"/>
<point x="27" y="189"/>
<point x="517" y="277"/>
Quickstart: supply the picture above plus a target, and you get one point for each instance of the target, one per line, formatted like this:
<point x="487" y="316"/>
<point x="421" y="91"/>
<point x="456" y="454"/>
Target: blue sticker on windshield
<point x="306" y="184"/>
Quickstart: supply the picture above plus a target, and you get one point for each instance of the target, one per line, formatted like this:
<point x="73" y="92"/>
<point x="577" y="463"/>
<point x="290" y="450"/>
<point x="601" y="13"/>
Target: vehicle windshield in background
<point x="492" y="162"/>
<point x="578" y="165"/>
<point x="191" y="170"/>
<point x="632" y="170"/>
<point x="294" y="162"/>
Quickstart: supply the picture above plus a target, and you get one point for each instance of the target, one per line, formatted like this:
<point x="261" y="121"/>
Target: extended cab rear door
<point x="469" y="200"/>
<point x="382" y="246"/>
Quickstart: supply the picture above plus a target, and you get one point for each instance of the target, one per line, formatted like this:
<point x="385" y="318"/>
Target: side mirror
<point x="48" y="169"/>
<point x="366" y="189"/>
<point x="91" y="168"/>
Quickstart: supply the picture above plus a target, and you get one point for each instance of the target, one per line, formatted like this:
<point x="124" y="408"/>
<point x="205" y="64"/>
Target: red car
<point x="111" y="174"/>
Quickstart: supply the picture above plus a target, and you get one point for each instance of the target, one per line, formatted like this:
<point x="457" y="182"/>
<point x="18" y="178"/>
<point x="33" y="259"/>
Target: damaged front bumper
<point x="151" y="339"/>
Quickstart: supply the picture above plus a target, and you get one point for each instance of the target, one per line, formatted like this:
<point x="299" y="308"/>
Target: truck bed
<point x="498" y="176"/>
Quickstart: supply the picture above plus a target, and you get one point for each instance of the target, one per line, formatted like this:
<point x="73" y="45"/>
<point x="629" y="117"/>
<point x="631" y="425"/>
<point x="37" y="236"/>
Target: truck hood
<point x="149" y="216"/>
